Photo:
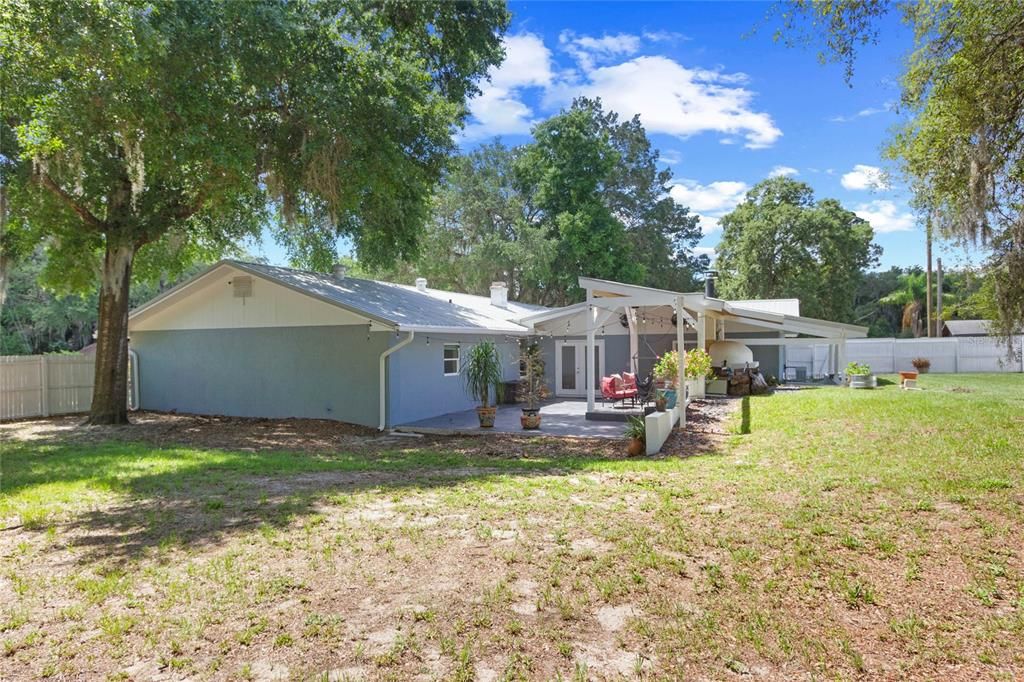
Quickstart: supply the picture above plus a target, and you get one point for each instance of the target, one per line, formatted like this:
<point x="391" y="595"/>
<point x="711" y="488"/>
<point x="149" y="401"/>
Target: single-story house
<point x="246" y="339"/>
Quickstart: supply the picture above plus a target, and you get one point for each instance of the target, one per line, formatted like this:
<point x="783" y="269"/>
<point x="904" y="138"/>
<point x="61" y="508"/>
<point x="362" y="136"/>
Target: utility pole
<point x="928" y="277"/>
<point x="938" y="297"/>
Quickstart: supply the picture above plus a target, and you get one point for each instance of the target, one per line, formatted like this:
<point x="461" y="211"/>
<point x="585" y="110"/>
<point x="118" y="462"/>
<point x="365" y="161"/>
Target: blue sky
<point x="726" y="107"/>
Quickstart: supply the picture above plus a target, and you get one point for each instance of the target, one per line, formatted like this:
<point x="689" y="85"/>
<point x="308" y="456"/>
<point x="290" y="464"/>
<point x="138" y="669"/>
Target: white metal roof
<point x="773" y="315"/>
<point x="396" y="306"/>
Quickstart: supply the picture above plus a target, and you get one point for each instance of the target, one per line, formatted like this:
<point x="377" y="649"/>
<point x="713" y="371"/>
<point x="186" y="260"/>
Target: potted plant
<point x="532" y="389"/>
<point x="636" y="432"/>
<point x="698" y="371"/>
<point x="921" y="364"/>
<point x="660" y="401"/>
<point x="482" y="371"/>
<point x="860" y="376"/>
<point x="666" y="371"/>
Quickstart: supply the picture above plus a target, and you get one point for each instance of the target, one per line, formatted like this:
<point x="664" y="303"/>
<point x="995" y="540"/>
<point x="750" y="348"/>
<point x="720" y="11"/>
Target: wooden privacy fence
<point x="44" y="385"/>
<point x="949" y="355"/>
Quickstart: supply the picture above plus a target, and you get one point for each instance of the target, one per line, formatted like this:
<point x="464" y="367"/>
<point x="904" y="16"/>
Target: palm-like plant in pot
<point x="532" y="388"/>
<point x="482" y="372"/>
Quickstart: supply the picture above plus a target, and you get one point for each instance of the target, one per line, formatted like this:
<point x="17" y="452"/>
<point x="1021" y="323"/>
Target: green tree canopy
<point x="780" y="243"/>
<point x="587" y="198"/>
<point x="961" y="145"/>
<point x="146" y="130"/>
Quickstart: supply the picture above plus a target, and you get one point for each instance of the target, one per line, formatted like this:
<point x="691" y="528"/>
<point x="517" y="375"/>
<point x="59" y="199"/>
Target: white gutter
<point x="383" y="408"/>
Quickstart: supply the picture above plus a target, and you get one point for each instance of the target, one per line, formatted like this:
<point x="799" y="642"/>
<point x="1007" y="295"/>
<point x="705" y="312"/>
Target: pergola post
<point x="702" y="331"/>
<point x="841" y="355"/>
<point x="681" y="378"/>
<point x="589" y="363"/>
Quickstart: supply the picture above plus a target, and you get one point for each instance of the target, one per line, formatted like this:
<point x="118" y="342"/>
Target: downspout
<point x="383" y="408"/>
<point x="134" y="397"/>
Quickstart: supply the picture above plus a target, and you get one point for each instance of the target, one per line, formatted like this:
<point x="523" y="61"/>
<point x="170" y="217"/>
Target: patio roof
<point x="604" y="295"/>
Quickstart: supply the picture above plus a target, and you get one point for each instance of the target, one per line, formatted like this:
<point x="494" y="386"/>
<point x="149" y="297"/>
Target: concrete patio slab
<point x="566" y="418"/>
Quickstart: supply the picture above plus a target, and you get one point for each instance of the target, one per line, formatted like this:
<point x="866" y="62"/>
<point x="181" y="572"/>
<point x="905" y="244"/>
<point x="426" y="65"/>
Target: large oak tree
<point x="781" y="243"/>
<point x="146" y="128"/>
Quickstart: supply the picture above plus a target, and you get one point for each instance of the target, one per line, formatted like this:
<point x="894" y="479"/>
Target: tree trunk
<point x="110" y="388"/>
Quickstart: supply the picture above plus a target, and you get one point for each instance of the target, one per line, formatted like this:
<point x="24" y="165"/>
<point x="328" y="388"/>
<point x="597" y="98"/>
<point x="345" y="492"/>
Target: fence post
<point x="44" y="386"/>
<point x="956" y="355"/>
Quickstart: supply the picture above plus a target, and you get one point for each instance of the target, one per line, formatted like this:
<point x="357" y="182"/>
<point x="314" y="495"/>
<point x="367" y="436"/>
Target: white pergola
<point x="707" y="316"/>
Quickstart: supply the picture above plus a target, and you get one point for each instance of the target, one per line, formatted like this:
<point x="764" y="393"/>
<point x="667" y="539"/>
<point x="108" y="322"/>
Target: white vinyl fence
<point x="42" y="385"/>
<point x="886" y="356"/>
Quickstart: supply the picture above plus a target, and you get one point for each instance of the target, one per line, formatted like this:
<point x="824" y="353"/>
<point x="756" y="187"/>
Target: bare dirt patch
<point x="705" y="430"/>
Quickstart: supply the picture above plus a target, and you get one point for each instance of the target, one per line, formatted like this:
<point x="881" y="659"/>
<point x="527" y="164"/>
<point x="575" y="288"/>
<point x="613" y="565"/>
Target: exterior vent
<point x="421" y="284"/>
<point x="242" y="286"/>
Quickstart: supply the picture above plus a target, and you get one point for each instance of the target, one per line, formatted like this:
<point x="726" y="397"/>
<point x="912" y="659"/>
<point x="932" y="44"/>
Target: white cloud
<point x="710" y="201"/>
<point x="499" y="108"/>
<point x="704" y="251"/>
<point x="588" y="50"/>
<point x="669" y="98"/>
<point x="782" y="171"/>
<point x="884" y="216"/>
<point x="673" y="99"/>
<point x="863" y="113"/>
<point x="527" y="62"/>
<point x="864" y="177"/>
<point x="670" y="156"/>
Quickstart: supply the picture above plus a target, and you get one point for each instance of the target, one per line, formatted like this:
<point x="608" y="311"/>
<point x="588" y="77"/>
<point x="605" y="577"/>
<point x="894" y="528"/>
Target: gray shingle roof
<point x="398" y="304"/>
<point x="968" y="327"/>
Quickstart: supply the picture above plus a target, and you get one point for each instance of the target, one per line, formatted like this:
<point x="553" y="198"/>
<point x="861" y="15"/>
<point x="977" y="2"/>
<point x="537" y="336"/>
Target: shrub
<point x="636" y="428"/>
<point x="921" y="364"/>
<point x="858" y="368"/>
<point x="698" y="366"/>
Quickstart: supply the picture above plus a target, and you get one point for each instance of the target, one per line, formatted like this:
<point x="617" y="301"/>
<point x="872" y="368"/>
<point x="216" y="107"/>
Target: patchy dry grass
<point x="850" y="534"/>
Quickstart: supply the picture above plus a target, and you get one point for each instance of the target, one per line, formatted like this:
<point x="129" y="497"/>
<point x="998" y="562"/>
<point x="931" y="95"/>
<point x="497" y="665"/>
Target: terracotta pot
<point x="660" y="404"/>
<point x="530" y="419"/>
<point x="635" y="447"/>
<point x="486" y="416"/>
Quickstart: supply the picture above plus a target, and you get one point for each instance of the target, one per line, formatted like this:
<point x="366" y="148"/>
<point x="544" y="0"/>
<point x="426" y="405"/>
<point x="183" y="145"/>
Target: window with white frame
<point x="451" y="359"/>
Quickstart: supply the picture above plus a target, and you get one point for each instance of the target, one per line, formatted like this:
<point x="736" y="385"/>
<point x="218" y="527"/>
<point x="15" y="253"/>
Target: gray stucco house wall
<point x="323" y="372"/>
<point x="417" y="386"/>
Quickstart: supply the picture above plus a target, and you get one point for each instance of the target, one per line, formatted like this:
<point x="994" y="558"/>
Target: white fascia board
<point x="468" y="331"/>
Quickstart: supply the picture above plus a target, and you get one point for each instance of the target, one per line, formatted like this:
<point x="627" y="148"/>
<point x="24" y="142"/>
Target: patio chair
<point x="614" y="388"/>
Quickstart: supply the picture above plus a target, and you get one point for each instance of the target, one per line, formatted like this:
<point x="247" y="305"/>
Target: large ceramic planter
<point x="863" y="381"/>
<point x="486" y="416"/>
<point x="530" y="418"/>
<point x="635" y="448"/>
<point x="670" y="397"/>
<point x="695" y="388"/>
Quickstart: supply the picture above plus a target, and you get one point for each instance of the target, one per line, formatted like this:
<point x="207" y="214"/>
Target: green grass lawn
<point x="849" y="534"/>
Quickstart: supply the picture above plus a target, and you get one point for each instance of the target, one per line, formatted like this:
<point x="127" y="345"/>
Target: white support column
<point x="702" y="332"/>
<point x="681" y="379"/>
<point x="841" y="355"/>
<point x="589" y="363"/>
<point x="634" y="341"/>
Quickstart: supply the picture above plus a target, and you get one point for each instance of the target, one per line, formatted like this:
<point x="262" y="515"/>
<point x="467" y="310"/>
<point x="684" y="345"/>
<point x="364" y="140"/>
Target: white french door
<point x="570" y="367"/>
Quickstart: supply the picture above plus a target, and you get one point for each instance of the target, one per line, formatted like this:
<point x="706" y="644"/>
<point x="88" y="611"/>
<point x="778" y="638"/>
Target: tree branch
<point x="85" y="214"/>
